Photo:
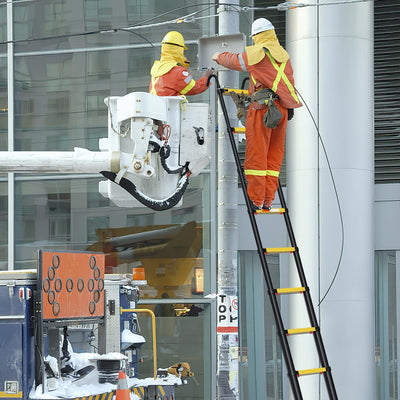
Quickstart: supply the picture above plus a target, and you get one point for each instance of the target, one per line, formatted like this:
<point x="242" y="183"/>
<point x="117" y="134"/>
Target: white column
<point x="331" y="48"/>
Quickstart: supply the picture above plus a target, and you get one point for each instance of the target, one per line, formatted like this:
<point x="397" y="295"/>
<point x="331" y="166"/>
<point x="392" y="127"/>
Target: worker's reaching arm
<point x="186" y="85"/>
<point x="234" y="61"/>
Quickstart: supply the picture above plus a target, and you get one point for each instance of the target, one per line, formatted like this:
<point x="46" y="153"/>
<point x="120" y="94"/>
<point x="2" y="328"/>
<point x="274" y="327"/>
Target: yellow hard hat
<point x="175" y="38"/>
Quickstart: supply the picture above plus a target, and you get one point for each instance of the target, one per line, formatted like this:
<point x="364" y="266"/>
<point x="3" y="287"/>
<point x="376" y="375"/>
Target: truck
<point x="41" y="315"/>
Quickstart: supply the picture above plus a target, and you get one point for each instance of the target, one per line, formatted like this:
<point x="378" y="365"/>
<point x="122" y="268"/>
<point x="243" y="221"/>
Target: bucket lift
<point x="154" y="144"/>
<point x="161" y="142"/>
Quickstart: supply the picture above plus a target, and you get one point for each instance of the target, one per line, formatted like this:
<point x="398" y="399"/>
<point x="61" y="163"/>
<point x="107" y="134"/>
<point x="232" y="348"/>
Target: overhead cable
<point x="188" y="18"/>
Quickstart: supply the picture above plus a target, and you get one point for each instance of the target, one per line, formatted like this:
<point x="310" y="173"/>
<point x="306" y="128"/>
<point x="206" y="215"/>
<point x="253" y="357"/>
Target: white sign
<point x="227" y="314"/>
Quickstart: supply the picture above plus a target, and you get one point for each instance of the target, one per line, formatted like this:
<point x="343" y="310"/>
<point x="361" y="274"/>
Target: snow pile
<point x="88" y="385"/>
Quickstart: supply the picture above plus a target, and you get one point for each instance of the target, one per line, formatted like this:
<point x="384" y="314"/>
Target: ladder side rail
<point x="309" y="305"/>
<point x="292" y="374"/>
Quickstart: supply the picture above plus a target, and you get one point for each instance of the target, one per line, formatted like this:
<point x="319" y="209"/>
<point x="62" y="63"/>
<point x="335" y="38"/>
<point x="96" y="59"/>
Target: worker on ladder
<point x="169" y="75"/>
<point x="273" y="97"/>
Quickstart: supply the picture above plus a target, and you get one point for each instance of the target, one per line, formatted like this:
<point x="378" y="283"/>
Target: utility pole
<point x="227" y="325"/>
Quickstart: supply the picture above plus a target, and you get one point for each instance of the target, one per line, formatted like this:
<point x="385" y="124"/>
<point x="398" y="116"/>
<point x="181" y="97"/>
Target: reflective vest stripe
<point x="188" y="87"/>
<point x="281" y="75"/>
<point x="153" y="85"/>
<point x="271" y="172"/>
<point x="255" y="172"/>
<point x="188" y="79"/>
<point x="242" y="63"/>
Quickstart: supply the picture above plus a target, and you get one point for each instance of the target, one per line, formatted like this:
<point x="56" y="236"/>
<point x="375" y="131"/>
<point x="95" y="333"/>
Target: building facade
<point x="59" y="60"/>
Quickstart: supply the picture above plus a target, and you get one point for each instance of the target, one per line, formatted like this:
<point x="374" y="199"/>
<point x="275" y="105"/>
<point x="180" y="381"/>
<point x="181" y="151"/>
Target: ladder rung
<point x="271" y="211"/>
<point x="279" y="250"/>
<point x="239" y="91"/>
<point x="298" y="331"/>
<point x="239" y="129"/>
<point x="311" y="371"/>
<point x="290" y="290"/>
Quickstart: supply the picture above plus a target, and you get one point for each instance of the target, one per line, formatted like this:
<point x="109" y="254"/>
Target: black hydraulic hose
<point x="271" y="292"/>
<point x="244" y="82"/>
<point x="165" y="151"/>
<point x="157" y="205"/>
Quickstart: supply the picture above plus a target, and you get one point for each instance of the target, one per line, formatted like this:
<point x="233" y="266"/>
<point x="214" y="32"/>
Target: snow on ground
<point x="89" y="385"/>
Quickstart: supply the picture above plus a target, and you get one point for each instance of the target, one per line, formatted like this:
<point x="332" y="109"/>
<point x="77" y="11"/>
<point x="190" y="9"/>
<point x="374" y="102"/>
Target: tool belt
<point x="265" y="98"/>
<point x="242" y="102"/>
<point x="268" y="97"/>
<point x="262" y="95"/>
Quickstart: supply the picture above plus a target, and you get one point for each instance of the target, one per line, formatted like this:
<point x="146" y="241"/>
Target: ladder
<point x="282" y="332"/>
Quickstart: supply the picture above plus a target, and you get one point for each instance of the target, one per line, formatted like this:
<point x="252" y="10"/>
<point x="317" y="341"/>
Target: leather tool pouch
<point x="273" y="115"/>
<point x="268" y="97"/>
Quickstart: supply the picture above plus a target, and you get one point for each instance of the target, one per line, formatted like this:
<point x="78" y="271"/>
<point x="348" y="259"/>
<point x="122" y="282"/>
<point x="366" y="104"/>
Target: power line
<point x="188" y="18"/>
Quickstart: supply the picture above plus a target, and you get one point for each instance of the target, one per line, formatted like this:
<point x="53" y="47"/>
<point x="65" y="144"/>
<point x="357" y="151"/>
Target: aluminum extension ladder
<point x="283" y="333"/>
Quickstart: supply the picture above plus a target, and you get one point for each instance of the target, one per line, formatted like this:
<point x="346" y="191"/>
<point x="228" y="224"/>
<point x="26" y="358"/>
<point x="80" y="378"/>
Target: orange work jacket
<point x="178" y="81"/>
<point x="268" y="73"/>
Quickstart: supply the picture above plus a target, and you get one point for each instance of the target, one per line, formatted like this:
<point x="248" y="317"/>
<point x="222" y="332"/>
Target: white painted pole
<point x="78" y="161"/>
<point x="227" y="363"/>
<point x="331" y="48"/>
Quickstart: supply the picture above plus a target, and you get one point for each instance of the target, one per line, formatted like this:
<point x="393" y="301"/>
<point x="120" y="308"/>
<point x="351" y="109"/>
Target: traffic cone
<point x="122" y="388"/>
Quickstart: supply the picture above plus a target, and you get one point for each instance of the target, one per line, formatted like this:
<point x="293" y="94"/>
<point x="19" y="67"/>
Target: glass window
<point x="386" y="347"/>
<point x="260" y="347"/>
<point x="3" y="223"/>
<point x="3" y="103"/>
<point x="3" y="25"/>
<point x="171" y="253"/>
<point x="181" y="335"/>
<point x="64" y="24"/>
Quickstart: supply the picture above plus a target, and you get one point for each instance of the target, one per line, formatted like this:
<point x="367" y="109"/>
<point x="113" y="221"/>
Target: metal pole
<point x="227" y="219"/>
<point x="10" y="116"/>
<point x="78" y="161"/>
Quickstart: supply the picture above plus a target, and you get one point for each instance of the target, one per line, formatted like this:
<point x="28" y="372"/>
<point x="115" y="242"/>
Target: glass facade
<point x="260" y="366"/>
<point x="387" y="290"/>
<point x="68" y="56"/>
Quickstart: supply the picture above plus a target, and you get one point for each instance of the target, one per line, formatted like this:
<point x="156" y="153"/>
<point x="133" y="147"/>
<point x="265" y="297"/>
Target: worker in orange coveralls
<point x="270" y="78"/>
<point x="169" y="76"/>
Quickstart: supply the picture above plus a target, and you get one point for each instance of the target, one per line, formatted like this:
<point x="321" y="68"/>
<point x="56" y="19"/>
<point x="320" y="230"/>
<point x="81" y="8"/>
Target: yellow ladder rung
<point x="239" y="129"/>
<point x="277" y="210"/>
<point x="311" y="371"/>
<point x="290" y="290"/>
<point x="279" y="250"/>
<point x="298" y="331"/>
<point x="238" y="91"/>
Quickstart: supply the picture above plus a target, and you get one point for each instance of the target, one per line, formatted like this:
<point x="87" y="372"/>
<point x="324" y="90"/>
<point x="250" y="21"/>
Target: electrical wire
<point x="336" y="195"/>
<point x="189" y="18"/>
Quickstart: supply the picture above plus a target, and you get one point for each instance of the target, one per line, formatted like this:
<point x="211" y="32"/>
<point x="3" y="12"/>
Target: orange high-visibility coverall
<point x="177" y="81"/>
<point x="264" y="146"/>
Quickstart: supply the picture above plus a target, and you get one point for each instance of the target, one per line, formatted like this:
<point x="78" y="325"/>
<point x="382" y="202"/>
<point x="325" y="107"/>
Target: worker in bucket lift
<point x="273" y="98"/>
<point x="169" y="75"/>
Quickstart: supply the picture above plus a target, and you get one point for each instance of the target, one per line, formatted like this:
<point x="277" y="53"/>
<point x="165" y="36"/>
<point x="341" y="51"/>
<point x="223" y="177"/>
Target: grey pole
<point x="227" y="364"/>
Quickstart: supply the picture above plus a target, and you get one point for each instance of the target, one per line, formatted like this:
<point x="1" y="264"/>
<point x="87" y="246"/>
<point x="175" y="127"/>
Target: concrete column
<point x="331" y="48"/>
